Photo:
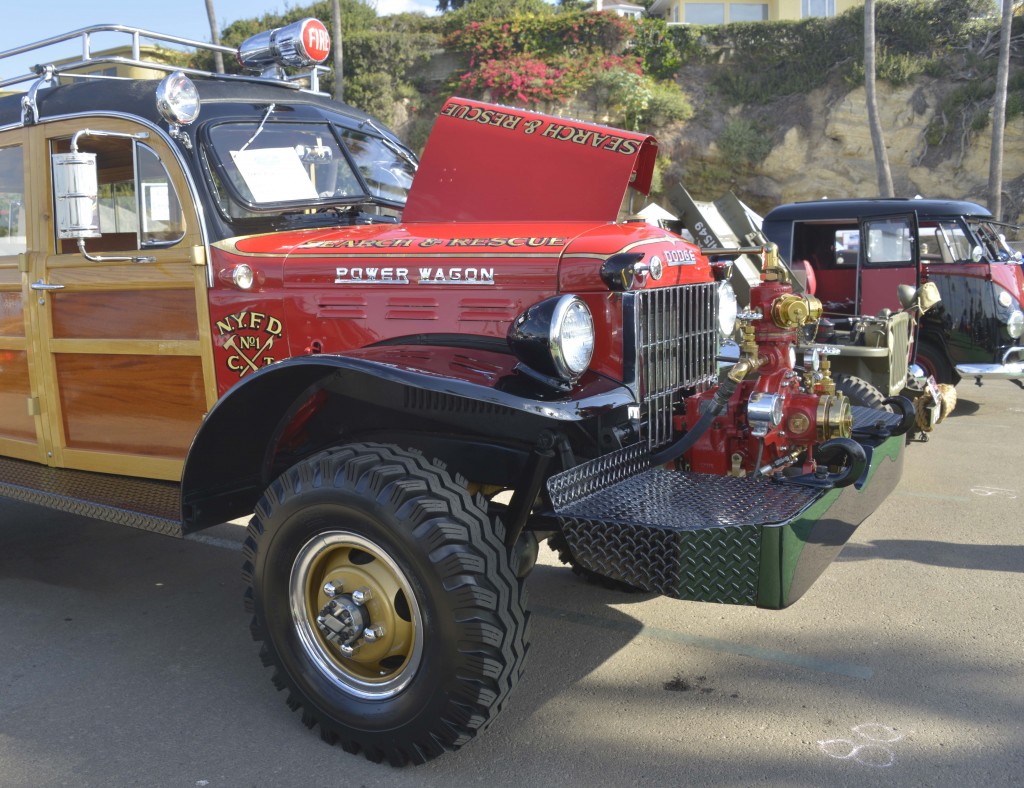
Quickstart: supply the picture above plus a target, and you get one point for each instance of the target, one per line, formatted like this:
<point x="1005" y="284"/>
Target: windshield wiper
<point x="391" y="145"/>
<point x="260" y="127"/>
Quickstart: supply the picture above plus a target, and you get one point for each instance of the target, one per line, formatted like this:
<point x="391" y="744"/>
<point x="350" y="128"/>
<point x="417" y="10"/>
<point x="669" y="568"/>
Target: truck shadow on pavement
<point x="989" y="557"/>
<point x="96" y="612"/>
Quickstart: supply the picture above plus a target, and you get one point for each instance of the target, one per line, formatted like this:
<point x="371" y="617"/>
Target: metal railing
<point x="137" y="35"/>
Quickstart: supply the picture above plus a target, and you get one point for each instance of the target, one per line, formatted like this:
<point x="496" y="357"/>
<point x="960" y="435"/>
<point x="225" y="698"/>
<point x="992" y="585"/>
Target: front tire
<point x="386" y="602"/>
<point x="932" y="359"/>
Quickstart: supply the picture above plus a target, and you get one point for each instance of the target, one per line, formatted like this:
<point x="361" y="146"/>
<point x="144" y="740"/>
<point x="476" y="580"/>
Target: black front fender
<point x="455" y="403"/>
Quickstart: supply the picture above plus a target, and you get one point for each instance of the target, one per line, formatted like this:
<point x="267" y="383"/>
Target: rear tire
<point x="385" y="601"/>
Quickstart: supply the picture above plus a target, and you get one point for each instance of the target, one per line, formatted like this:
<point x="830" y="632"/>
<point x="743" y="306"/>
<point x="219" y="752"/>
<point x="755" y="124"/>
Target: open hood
<point x="488" y="163"/>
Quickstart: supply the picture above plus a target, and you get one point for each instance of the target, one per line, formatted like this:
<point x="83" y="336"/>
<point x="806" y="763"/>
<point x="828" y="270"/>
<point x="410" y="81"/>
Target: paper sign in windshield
<point x="274" y="174"/>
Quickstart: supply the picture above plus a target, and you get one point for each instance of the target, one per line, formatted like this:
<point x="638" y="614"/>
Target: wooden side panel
<point x="149" y="405"/>
<point x="139" y="314"/>
<point x="15" y="421"/>
<point x="117" y="351"/>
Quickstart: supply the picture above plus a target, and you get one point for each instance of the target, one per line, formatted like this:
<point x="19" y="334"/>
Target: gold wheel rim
<point x="375" y="666"/>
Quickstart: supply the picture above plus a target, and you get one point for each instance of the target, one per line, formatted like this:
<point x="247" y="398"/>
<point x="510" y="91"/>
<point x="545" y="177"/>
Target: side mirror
<point x="76" y="191"/>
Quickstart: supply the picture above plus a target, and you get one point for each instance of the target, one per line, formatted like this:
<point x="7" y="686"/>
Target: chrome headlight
<point x="177" y="99"/>
<point x="1015" y="324"/>
<point x="554" y="337"/>
<point x="727" y="309"/>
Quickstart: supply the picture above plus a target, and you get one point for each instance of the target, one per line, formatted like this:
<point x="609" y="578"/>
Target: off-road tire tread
<point x="860" y="392"/>
<point x="467" y="550"/>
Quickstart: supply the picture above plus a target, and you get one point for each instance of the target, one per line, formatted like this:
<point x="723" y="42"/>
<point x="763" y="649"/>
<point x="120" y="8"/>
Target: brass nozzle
<point x="792" y="311"/>
<point x="835" y="419"/>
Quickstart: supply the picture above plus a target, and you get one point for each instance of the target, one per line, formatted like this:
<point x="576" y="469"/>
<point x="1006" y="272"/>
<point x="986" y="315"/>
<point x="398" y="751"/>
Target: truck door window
<point x="12" y="201"/>
<point x="889" y="242"/>
<point x="162" y="219"/>
<point x="847" y="248"/>
<point x="138" y="205"/>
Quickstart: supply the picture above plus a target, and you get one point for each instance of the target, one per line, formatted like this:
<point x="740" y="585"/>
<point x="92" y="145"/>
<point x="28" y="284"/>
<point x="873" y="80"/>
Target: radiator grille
<point x="898" y="352"/>
<point x="677" y="341"/>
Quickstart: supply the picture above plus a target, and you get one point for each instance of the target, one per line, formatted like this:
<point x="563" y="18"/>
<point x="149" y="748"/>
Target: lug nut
<point x="362" y="595"/>
<point x="372" y="634"/>
<point x="332" y="587"/>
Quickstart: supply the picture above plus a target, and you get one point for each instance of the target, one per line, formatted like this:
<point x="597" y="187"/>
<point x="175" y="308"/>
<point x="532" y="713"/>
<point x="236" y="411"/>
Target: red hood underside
<point x="488" y="163"/>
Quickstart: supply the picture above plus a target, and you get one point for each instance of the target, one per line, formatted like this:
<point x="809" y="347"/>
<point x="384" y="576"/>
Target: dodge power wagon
<point x="224" y="296"/>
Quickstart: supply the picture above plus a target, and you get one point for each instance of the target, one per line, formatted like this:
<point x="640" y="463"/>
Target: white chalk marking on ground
<point x="868" y="747"/>
<point x="994" y="492"/>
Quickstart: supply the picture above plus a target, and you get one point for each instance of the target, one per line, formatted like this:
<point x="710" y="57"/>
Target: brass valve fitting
<point x="834" y="418"/>
<point x="770" y="268"/>
<point x="792" y="311"/>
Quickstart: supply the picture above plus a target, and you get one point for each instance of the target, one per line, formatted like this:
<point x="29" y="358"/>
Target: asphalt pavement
<point x="125" y="658"/>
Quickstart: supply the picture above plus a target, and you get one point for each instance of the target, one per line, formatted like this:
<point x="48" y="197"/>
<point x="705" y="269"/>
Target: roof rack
<point x="136" y="59"/>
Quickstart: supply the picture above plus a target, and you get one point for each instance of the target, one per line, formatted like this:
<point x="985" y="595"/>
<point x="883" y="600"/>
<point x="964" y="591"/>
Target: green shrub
<point x="374" y="93"/>
<point x="667" y="104"/>
<point x="744" y="141"/>
<point x="655" y="48"/>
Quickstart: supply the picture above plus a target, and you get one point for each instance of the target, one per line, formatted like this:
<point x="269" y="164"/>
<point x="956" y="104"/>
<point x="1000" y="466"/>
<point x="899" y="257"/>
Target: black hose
<point x="907" y="411"/>
<point x="716" y="404"/>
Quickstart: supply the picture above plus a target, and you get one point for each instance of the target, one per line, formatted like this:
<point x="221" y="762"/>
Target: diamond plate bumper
<point x="713" y="538"/>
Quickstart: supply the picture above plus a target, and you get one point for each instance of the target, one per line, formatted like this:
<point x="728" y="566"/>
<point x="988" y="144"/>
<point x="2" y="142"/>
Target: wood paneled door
<point x="119" y="355"/>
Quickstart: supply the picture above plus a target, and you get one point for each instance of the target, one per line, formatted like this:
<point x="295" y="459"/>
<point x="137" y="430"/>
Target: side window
<point x="847" y="248"/>
<point x="945" y="242"/>
<point x="158" y="205"/>
<point x="386" y="173"/>
<point x="826" y="245"/>
<point x="138" y="206"/>
<point x="889" y="242"/>
<point x="12" y="201"/>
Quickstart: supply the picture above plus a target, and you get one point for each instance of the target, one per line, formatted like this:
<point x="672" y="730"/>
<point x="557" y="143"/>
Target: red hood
<point x="488" y="163"/>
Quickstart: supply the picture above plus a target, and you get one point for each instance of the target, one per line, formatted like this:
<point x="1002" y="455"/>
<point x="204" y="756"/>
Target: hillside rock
<point x="826" y="151"/>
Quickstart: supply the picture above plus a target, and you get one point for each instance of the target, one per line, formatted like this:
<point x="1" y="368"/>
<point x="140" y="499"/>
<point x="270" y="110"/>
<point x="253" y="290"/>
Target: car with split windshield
<point x="859" y="251"/>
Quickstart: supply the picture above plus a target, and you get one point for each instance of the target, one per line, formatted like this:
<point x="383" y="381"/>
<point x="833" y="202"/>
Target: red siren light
<point x="302" y="43"/>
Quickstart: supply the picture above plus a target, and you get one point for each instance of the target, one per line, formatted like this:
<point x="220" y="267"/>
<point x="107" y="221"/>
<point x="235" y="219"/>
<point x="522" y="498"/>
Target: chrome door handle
<point x="41" y="285"/>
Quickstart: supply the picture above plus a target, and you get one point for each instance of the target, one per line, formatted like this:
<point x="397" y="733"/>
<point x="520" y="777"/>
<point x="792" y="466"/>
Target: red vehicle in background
<point x="860" y="250"/>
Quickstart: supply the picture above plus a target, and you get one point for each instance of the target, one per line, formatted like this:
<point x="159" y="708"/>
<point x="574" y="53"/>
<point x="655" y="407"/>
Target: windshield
<point x="262" y="167"/>
<point x="1001" y="242"/>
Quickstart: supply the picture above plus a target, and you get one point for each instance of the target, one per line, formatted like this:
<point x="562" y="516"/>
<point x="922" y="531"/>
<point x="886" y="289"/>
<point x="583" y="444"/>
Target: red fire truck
<point x="222" y="295"/>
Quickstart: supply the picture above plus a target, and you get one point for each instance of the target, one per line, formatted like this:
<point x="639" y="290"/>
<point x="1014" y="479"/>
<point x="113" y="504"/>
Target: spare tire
<point x="860" y="392"/>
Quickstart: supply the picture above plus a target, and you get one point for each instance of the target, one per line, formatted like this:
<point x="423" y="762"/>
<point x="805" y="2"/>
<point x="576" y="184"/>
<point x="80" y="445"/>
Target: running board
<point x="138" y="503"/>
